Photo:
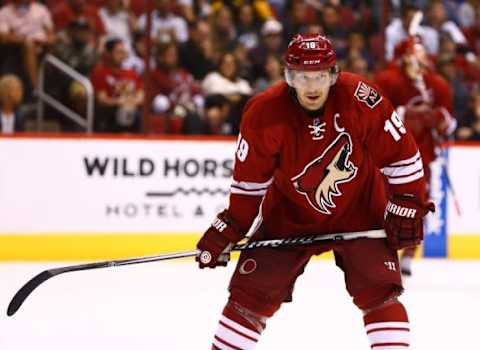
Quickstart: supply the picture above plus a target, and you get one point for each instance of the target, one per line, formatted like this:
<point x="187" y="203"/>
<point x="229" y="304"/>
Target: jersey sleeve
<point x="256" y="159"/>
<point x="394" y="150"/>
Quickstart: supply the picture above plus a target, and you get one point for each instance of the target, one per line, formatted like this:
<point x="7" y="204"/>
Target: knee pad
<point x="374" y="297"/>
<point x="245" y="317"/>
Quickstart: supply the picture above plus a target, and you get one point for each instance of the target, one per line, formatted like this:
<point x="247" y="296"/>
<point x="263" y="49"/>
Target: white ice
<point x="173" y="305"/>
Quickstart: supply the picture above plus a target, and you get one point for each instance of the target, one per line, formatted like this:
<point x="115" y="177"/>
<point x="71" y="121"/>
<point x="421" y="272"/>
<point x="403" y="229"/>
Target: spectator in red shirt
<point x="119" y="91"/>
<point x="172" y="85"/>
<point x="68" y="10"/>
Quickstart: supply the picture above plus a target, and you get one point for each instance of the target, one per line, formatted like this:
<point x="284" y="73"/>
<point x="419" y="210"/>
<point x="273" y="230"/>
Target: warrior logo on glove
<point x="320" y="178"/>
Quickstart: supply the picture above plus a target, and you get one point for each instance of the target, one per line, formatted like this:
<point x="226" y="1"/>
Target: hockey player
<point x="424" y="102"/>
<point x="309" y="160"/>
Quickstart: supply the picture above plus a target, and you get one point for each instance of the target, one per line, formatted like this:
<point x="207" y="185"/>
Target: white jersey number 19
<point x="395" y="126"/>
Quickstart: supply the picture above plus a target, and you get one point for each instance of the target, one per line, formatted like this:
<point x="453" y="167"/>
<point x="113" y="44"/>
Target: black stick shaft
<point x="31" y="285"/>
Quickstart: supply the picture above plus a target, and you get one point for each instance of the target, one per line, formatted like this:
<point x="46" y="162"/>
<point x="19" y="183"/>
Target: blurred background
<point x="119" y="120"/>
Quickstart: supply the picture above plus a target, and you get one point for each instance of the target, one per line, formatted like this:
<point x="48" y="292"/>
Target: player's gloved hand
<point x="404" y="220"/>
<point x="217" y="241"/>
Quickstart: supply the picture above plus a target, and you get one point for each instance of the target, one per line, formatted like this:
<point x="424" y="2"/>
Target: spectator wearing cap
<point x="26" y="28"/>
<point x="76" y="46"/>
<point x="271" y="43"/>
<point x="65" y="11"/>
<point x="166" y="25"/>
<point x="11" y="95"/>
<point x="197" y="55"/>
<point x="117" y="20"/>
<point x="119" y="92"/>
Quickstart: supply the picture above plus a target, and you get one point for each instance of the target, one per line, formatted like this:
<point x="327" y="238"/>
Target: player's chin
<point x="312" y="101"/>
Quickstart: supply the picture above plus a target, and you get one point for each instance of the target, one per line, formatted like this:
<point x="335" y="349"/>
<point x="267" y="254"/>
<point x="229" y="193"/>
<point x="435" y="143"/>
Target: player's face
<point x="312" y="87"/>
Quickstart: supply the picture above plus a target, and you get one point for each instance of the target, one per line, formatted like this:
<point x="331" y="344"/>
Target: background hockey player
<point x="424" y="102"/>
<point x="309" y="159"/>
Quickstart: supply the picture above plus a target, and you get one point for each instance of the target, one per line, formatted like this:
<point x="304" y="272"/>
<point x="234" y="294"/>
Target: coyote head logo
<point x="320" y="178"/>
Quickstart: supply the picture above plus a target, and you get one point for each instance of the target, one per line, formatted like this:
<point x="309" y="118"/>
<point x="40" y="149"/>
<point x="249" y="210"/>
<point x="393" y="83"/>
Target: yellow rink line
<point x="49" y="247"/>
<point x="464" y="246"/>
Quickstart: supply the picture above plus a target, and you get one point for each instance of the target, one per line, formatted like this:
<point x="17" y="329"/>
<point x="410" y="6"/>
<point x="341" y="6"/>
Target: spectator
<point x="273" y="73"/>
<point x="136" y="57"/>
<point x="76" y="47"/>
<point x="117" y="21"/>
<point x="357" y="48"/>
<point x="226" y="81"/>
<point x="357" y="64"/>
<point x="119" y="92"/>
<point x="247" y="26"/>
<point x="224" y="32"/>
<point x="197" y="55"/>
<point x="438" y="20"/>
<point x="217" y="118"/>
<point x="11" y="95"/>
<point x="447" y="67"/>
<point x="271" y="44"/>
<point x="398" y="30"/>
<point x="297" y="17"/>
<point x="67" y="10"/>
<point x="166" y="26"/>
<point x="26" y="29"/>
<point x="335" y="29"/>
<point x="469" y="127"/>
<point x="173" y="86"/>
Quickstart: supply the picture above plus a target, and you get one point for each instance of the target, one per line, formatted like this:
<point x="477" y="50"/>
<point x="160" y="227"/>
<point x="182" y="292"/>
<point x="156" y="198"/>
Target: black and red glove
<point x="404" y="221"/>
<point x="217" y="241"/>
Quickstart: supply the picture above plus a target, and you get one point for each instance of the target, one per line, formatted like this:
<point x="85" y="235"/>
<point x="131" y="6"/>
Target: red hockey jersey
<point x="405" y="94"/>
<point x="321" y="174"/>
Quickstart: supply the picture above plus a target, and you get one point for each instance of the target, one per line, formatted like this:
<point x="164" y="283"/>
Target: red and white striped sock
<point x="238" y="329"/>
<point x="388" y="328"/>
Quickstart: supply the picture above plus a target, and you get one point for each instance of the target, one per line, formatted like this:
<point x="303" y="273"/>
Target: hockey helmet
<point x="310" y="52"/>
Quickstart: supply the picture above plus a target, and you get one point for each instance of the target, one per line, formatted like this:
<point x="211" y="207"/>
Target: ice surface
<point x="173" y="305"/>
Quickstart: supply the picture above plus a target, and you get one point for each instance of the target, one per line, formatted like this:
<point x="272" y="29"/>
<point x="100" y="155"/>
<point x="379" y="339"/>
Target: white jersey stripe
<point x="248" y="193"/>
<point x="238" y="327"/>
<point x="403" y="170"/>
<point x="378" y="325"/>
<point x="405" y="179"/>
<point x="252" y="185"/>
<point x="389" y="336"/>
<point x="221" y="346"/>
<point x="406" y="161"/>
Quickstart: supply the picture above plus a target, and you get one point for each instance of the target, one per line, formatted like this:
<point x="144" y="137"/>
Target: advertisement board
<point x="88" y="198"/>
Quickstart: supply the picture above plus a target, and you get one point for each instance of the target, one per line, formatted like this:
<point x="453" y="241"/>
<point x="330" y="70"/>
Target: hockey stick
<point x="31" y="285"/>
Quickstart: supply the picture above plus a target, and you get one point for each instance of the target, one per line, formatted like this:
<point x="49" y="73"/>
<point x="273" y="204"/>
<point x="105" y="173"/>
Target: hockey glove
<point x="404" y="221"/>
<point x="217" y="241"/>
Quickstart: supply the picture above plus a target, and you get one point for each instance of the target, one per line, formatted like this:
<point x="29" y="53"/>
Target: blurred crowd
<point x="206" y="58"/>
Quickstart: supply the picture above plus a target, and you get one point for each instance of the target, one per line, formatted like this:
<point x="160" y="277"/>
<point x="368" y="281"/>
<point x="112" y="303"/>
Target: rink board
<point x="65" y="198"/>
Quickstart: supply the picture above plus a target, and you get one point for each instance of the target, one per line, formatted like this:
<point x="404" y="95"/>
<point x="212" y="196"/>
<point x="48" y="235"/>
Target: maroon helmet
<point x="310" y="52"/>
